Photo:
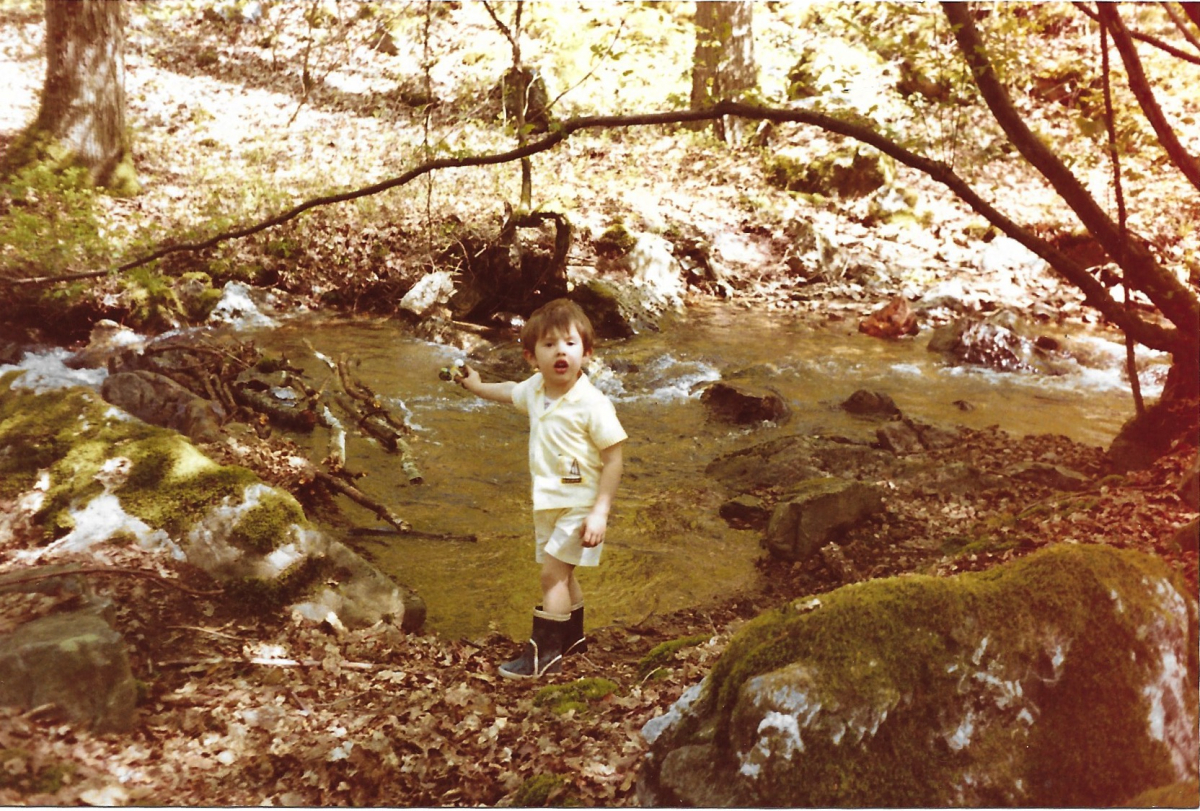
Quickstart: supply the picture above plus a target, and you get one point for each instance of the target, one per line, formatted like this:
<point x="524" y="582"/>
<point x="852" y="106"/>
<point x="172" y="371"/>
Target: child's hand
<point x="594" y="527"/>
<point x="467" y="377"/>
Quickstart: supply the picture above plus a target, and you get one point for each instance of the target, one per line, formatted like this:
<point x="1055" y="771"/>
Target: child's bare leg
<point x="575" y="592"/>
<point x="557" y="581"/>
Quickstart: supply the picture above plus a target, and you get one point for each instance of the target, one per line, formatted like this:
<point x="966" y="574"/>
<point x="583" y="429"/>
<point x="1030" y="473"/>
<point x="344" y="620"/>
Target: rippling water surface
<point x="666" y="547"/>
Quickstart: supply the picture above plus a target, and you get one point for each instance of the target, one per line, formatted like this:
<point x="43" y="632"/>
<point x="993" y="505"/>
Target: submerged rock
<point x="743" y="405"/>
<point x="1010" y="687"/>
<point x="870" y="403"/>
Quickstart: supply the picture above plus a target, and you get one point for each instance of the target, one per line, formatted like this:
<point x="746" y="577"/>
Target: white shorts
<point x="559" y="534"/>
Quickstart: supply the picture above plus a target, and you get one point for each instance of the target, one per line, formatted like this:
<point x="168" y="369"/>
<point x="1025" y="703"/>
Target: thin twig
<point x="106" y="570"/>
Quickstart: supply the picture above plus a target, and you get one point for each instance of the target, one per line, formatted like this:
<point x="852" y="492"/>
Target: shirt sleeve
<point x="523" y="391"/>
<point x="606" y="429"/>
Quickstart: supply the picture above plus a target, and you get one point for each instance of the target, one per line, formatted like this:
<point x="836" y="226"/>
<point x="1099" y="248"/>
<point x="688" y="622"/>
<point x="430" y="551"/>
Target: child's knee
<point x="555" y="572"/>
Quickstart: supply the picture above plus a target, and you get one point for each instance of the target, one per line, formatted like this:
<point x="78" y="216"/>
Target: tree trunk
<point x="723" y="65"/>
<point x="83" y="99"/>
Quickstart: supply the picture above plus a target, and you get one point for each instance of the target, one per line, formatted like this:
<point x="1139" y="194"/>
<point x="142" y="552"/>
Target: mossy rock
<point x="1003" y="687"/>
<point x="848" y="172"/>
<point x="576" y="695"/>
<point x="615" y="241"/>
<point x="221" y="516"/>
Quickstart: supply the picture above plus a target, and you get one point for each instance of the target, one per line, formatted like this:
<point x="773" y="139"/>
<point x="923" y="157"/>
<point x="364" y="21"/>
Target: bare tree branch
<point x="1181" y="24"/>
<point x="1173" y="299"/>
<point x="1110" y="18"/>
<point x="1150" y="40"/>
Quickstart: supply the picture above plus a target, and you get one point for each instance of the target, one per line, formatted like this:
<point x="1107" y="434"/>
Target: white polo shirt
<point x="565" y="441"/>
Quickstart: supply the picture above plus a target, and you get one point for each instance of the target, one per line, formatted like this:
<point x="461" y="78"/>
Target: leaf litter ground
<point x="239" y="710"/>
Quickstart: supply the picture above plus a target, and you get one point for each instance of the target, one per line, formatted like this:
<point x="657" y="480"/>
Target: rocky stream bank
<point x="208" y="702"/>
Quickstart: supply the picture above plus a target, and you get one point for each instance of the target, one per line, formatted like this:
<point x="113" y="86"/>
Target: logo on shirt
<point x="573" y="475"/>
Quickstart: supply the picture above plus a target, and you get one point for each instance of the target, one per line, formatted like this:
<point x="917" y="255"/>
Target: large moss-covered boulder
<point x="1067" y="678"/>
<point x="95" y="475"/>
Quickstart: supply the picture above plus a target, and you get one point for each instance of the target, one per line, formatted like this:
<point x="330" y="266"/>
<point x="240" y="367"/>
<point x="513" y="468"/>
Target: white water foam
<point x="47" y="371"/>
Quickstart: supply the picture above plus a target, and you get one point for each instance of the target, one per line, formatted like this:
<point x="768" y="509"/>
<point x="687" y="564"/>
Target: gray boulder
<point x="817" y="513"/>
<point x="159" y="400"/>
<point x="1066" y="678"/>
<point x="74" y="661"/>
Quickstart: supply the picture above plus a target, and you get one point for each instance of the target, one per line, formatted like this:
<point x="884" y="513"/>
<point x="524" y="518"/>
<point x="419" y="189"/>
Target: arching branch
<point x="1096" y="295"/>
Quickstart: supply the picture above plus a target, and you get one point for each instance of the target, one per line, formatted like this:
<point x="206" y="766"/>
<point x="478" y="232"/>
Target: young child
<point x="575" y="459"/>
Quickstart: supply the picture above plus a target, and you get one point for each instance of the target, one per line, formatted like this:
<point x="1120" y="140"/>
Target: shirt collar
<point x="571" y="396"/>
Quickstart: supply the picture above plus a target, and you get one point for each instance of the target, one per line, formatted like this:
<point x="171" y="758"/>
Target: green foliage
<point x="153" y="304"/>
<point x="49" y="223"/>
<point x="197" y="296"/>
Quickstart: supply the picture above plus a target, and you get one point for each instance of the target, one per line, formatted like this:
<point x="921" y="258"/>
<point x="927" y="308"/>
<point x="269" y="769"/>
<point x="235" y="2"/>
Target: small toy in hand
<point x="454" y="373"/>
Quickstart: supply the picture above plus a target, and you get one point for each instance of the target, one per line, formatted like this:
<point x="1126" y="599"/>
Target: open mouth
<point x="561" y="366"/>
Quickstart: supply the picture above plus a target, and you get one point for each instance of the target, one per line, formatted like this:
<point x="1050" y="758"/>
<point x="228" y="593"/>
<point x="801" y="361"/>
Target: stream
<point x="666" y="546"/>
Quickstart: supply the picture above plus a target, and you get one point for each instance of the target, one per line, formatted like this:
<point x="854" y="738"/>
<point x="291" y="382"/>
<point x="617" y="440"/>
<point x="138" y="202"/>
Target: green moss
<point x="263" y="527"/>
<point x="201" y="298"/>
<point x="16" y="773"/>
<point x="153" y="303"/>
<point x="616" y="240"/>
<point x="123" y="182"/>
<point x="268" y="596"/>
<point x="537" y="791"/>
<point x="573" y="696"/>
<point x="905" y="636"/>
<point x="170" y="484"/>
<point x="662" y="655"/>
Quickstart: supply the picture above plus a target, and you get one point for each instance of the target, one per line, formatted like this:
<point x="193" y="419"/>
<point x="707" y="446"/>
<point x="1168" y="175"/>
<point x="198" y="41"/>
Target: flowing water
<point x="666" y="546"/>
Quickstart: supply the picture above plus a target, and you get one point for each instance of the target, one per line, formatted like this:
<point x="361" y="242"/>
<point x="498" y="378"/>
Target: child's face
<point x="559" y="356"/>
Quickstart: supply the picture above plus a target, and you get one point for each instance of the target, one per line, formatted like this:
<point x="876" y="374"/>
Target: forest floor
<point x="249" y="710"/>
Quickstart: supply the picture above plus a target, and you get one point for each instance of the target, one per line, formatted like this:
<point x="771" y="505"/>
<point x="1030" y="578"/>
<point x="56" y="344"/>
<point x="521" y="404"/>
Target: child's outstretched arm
<point x="596" y="524"/>
<point x="499" y="392"/>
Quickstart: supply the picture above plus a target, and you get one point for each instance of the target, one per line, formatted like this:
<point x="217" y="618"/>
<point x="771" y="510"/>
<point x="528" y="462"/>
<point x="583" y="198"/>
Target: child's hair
<point x="557" y="316"/>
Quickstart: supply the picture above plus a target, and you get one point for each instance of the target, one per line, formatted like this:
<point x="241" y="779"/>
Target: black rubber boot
<point x="574" y="641"/>
<point x="543" y="651"/>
